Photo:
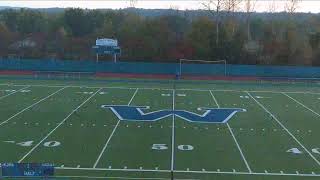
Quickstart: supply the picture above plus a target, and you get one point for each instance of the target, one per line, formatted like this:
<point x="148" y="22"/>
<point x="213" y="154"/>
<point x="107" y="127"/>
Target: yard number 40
<point x="46" y="144"/>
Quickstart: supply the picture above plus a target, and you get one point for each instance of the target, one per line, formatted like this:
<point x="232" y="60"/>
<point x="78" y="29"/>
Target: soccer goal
<point x="193" y="67"/>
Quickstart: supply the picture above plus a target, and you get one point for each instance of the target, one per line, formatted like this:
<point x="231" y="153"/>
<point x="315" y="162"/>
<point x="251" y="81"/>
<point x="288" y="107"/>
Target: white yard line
<point x="173" y="130"/>
<point x="276" y="119"/>
<point x="234" y="138"/>
<point x="32" y="105"/>
<point x="134" y="95"/>
<point x="190" y="171"/>
<point x="2" y="97"/>
<point x="27" y="154"/>
<point x="111" y="135"/>
<point x="239" y="148"/>
<point x="301" y="104"/>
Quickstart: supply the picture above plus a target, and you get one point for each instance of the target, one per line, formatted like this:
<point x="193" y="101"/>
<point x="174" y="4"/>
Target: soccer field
<point x="120" y="130"/>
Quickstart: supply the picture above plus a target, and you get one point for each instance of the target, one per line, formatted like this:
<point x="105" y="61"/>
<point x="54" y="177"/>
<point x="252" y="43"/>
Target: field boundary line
<point x="292" y="136"/>
<point x="168" y="89"/>
<point x="2" y="97"/>
<point x="98" y="177"/>
<point x="4" y="84"/>
<point x="43" y="139"/>
<point x="253" y="173"/>
<point x="32" y="105"/>
<point x="302" y="104"/>
<point x="234" y="138"/>
<point x="107" y="169"/>
<point x="113" y="131"/>
<point x="118" y="177"/>
<point x="190" y="171"/>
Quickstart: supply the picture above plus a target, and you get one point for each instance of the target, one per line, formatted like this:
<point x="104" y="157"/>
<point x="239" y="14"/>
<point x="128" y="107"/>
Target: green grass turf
<point x="66" y="125"/>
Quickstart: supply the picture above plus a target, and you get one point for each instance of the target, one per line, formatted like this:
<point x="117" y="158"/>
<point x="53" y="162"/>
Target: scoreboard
<point x="27" y="169"/>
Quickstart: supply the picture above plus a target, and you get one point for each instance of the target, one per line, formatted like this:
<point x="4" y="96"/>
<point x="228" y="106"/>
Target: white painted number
<point x="165" y="146"/>
<point x="295" y="151"/>
<point x="165" y="94"/>
<point x="85" y="92"/>
<point x="244" y="97"/>
<point x="51" y="144"/>
<point x="159" y="146"/>
<point x="316" y="150"/>
<point x="185" y="147"/>
<point x="25" y="90"/>
<point x="46" y="144"/>
<point x="25" y="144"/>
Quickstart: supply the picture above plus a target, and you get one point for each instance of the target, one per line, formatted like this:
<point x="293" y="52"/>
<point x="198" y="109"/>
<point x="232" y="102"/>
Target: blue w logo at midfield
<point x="136" y="113"/>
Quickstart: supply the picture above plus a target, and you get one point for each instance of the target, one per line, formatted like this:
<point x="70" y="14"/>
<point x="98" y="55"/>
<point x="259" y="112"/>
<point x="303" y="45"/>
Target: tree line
<point x="279" y="39"/>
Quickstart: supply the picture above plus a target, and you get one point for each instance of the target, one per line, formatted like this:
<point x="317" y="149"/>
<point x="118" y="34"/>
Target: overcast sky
<point x="261" y="5"/>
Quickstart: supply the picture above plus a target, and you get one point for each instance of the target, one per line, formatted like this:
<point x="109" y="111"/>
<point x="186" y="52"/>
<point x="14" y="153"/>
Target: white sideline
<point x="301" y="104"/>
<point x="276" y="119"/>
<point x="2" y="97"/>
<point x="234" y="138"/>
<point x="99" y="177"/>
<point x="117" y="177"/>
<point x="173" y="130"/>
<point x="111" y="135"/>
<point x="190" y="171"/>
<point x="57" y="126"/>
<point x="31" y="106"/>
<point x="160" y="88"/>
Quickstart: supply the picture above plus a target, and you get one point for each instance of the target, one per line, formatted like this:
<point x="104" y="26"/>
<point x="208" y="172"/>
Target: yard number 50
<point x="165" y="146"/>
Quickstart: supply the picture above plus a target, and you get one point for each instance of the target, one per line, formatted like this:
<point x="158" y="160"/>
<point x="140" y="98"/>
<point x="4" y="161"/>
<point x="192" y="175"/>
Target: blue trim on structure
<point x="159" y="68"/>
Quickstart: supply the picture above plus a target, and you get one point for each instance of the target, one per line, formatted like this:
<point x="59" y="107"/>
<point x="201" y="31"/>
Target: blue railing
<point x="158" y="68"/>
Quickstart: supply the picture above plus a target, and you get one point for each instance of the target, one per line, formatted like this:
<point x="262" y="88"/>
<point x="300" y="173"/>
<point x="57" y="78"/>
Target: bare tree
<point x="272" y="8"/>
<point x="214" y="7"/>
<point x="291" y="6"/>
<point x="133" y="3"/>
<point x="231" y="6"/>
<point x="249" y="8"/>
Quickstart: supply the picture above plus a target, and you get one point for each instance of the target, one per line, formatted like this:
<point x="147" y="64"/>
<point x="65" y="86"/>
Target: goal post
<point x="202" y="67"/>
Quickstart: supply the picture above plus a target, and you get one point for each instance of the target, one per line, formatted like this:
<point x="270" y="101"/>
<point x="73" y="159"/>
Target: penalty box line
<point x="32" y="105"/>
<point x="234" y="138"/>
<point x="53" y="130"/>
<point x="112" y="133"/>
<point x="286" y="129"/>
